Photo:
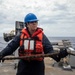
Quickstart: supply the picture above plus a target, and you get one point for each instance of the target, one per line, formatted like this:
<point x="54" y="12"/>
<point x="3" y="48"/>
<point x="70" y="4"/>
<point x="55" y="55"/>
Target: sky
<point x="56" y="17"/>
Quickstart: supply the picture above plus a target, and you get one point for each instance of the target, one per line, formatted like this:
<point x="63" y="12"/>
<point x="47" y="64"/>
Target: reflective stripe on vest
<point x="31" y="45"/>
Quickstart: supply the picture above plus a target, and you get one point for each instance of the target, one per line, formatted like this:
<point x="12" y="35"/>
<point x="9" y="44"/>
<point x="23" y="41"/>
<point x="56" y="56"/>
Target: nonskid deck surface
<point x="7" y="68"/>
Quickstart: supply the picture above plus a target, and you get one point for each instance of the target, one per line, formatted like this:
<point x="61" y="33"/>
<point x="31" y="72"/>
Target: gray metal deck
<point x="8" y="68"/>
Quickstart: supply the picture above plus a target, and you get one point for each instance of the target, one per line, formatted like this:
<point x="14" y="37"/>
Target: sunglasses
<point x="34" y="22"/>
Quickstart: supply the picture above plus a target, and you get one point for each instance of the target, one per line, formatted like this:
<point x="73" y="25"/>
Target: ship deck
<point x="7" y="68"/>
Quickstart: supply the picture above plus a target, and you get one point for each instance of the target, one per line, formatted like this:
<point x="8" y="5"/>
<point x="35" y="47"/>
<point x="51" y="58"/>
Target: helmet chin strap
<point x="32" y="31"/>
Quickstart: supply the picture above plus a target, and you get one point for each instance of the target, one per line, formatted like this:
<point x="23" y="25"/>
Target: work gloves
<point x="1" y="56"/>
<point x="63" y="53"/>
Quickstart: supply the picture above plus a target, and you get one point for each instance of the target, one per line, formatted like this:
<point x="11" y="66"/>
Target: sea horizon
<point x="3" y="43"/>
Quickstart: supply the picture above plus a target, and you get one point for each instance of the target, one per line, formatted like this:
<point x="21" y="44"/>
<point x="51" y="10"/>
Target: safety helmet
<point x="30" y="18"/>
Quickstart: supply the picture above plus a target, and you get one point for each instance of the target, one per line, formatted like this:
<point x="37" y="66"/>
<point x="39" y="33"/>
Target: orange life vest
<point x="31" y="45"/>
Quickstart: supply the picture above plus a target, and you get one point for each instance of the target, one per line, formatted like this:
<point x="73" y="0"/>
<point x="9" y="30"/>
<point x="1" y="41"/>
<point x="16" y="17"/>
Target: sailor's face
<point x="32" y="25"/>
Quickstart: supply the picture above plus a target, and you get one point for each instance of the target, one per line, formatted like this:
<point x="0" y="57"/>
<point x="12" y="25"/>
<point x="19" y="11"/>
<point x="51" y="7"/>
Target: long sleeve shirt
<point x="15" y="43"/>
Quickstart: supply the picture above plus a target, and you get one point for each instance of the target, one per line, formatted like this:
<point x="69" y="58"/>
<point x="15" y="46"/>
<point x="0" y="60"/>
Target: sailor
<point x="31" y="41"/>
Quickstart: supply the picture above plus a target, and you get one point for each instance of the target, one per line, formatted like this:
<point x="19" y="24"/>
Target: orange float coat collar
<point x="31" y="45"/>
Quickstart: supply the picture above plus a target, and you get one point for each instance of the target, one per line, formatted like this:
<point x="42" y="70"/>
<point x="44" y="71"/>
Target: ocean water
<point x="3" y="44"/>
<point x="52" y="39"/>
<point x="57" y="39"/>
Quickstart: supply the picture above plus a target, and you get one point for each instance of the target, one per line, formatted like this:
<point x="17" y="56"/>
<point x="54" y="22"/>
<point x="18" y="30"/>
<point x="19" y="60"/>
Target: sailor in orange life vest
<point x="31" y="41"/>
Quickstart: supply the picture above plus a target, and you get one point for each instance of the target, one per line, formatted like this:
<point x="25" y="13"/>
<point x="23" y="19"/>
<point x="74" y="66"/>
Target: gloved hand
<point x="63" y="53"/>
<point x="1" y="56"/>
